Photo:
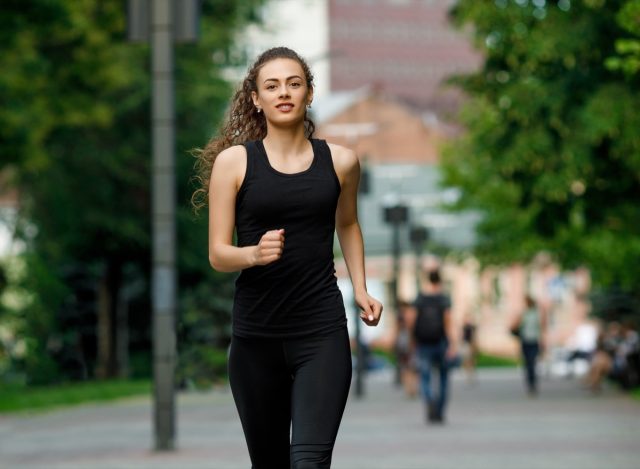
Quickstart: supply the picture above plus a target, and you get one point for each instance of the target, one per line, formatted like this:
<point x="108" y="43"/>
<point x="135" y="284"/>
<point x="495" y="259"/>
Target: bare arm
<point x="226" y="177"/>
<point x="349" y="234"/>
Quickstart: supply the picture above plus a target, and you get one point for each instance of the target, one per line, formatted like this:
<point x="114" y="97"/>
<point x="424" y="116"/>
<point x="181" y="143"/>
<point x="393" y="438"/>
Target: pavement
<point x="490" y="425"/>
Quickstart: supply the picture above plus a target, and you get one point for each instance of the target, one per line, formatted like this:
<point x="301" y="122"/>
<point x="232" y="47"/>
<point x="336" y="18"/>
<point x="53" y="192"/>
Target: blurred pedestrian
<point x="600" y="365"/>
<point x="530" y="326"/>
<point x="626" y="358"/>
<point x="285" y="194"/>
<point x="433" y="332"/>
<point x="469" y="348"/>
<point x="582" y="346"/>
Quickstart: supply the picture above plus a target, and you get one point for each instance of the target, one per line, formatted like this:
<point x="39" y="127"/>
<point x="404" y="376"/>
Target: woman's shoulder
<point x="344" y="159"/>
<point x="234" y="157"/>
<point x="232" y="161"/>
<point x="233" y="152"/>
<point x="343" y="153"/>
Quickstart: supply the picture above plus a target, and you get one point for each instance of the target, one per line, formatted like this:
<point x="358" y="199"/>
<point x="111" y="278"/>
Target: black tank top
<point x="297" y="294"/>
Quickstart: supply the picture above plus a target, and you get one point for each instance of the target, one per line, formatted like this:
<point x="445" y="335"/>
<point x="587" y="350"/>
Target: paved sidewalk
<point x="491" y="425"/>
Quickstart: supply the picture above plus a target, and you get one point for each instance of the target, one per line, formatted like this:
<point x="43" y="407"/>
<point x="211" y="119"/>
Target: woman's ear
<point x="309" y="96"/>
<point x="254" y="98"/>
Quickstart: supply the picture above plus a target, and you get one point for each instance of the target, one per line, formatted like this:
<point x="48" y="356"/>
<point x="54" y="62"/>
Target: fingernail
<point x="370" y="318"/>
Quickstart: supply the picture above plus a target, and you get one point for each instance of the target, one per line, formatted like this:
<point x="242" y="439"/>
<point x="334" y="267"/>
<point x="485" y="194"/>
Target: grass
<point x="482" y="360"/>
<point x="39" y="398"/>
<point x="487" y="361"/>
<point x="635" y="393"/>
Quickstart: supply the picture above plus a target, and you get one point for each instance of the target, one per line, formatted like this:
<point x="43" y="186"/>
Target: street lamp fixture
<point x="396" y="215"/>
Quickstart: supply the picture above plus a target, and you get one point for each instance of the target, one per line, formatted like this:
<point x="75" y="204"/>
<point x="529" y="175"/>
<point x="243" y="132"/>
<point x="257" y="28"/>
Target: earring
<point x="259" y="109"/>
<point x="308" y="105"/>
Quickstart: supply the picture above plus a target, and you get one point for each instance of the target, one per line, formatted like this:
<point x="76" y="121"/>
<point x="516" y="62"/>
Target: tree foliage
<point x="627" y="58"/>
<point x="551" y="155"/>
<point x="75" y="139"/>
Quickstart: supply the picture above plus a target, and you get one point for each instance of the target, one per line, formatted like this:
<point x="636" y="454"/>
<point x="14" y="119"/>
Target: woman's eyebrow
<point x="287" y="79"/>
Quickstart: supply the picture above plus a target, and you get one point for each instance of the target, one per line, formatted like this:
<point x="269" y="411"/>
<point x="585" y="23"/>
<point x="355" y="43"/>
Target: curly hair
<point x="243" y="123"/>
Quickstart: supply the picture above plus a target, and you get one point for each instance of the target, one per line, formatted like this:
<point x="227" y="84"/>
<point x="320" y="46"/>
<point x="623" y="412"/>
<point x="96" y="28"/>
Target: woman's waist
<point x="293" y="264"/>
<point x="287" y="275"/>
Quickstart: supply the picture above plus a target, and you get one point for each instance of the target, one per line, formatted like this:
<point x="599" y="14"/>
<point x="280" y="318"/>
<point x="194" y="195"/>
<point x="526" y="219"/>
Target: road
<point x="491" y="425"/>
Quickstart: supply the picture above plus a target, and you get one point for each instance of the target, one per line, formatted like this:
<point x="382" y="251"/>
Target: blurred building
<point x="405" y="47"/>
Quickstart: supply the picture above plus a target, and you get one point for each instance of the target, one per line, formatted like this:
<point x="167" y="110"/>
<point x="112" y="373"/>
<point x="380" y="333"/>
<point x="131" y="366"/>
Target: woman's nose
<point x="284" y="92"/>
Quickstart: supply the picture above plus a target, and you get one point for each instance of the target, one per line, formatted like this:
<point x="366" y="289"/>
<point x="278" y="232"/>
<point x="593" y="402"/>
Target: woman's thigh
<point x="321" y="368"/>
<point x="261" y="387"/>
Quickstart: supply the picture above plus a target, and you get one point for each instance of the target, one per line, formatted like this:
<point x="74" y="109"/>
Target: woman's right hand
<point x="270" y="247"/>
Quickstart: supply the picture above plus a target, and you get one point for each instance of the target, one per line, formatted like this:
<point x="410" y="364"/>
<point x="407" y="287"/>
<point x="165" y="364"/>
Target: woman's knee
<point x="311" y="456"/>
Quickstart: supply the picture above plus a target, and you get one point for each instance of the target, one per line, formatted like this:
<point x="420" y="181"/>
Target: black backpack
<point x="429" y="327"/>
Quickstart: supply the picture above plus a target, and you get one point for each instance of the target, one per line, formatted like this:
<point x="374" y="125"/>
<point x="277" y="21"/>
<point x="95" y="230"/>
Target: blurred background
<point x="499" y="139"/>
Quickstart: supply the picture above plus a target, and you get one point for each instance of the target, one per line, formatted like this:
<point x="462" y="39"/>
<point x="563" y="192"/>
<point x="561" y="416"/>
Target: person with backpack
<point x="435" y="344"/>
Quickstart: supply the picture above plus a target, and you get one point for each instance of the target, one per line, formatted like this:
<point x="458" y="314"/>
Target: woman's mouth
<point x="285" y="107"/>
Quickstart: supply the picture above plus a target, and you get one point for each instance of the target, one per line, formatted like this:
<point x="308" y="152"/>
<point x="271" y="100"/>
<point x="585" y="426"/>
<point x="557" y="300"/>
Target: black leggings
<point x="298" y="385"/>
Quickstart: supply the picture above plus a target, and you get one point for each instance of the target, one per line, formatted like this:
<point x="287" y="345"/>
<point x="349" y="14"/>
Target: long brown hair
<point x="243" y="123"/>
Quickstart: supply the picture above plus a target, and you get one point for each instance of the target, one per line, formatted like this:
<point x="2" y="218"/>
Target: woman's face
<point x="282" y="93"/>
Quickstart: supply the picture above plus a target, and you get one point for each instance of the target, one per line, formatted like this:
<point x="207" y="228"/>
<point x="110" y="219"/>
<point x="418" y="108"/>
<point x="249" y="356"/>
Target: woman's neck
<point x="286" y="142"/>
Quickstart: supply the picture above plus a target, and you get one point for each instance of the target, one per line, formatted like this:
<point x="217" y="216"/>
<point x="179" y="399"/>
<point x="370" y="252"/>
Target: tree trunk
<point x="122" y="334"/>
<point x="104" y="327"/>
<point x="108" y="321"/>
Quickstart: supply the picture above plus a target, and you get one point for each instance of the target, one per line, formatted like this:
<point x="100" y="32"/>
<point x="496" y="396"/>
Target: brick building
<point x="405" y="47"/>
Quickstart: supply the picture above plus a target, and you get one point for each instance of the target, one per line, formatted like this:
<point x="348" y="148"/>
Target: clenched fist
<point x="270" y="247"/>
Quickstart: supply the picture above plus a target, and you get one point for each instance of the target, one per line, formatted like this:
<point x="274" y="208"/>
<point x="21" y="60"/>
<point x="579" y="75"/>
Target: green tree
<point x="551" y="155"/>
<point x="628" y="48"/>
<point x="75" y="139"/>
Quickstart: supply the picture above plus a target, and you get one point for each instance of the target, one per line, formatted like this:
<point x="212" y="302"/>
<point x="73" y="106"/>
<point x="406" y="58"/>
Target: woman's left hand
<point x="371" y="309"/>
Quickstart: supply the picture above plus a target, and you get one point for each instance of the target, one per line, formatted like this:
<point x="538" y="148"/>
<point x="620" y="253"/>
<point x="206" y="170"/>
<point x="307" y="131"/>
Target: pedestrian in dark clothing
<point x="529" y="327"/>
<point x="285" y="194"/>
<point x="436" y="346"/>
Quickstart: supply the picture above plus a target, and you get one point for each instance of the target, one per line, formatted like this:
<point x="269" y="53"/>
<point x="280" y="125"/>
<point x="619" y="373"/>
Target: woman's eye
<point x="271" y="87"/>
<point x="296" y="84"/>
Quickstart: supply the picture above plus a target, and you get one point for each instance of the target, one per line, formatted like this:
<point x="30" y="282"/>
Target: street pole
<point x="163" y="219"/>
<point x="396" y="215"/>
<point x="161" y="22"/>
<point x="394" y="287"/>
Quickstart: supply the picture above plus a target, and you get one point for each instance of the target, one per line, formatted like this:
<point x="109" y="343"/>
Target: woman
<point x="285" y="194"/>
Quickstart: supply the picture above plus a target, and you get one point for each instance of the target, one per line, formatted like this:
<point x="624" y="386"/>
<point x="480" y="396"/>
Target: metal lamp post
<point x="396" y="215"/>
<point x="161" y="23"/>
